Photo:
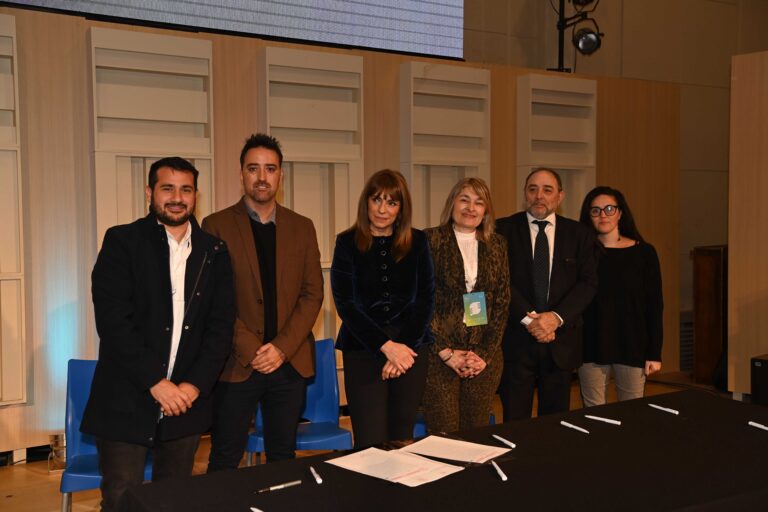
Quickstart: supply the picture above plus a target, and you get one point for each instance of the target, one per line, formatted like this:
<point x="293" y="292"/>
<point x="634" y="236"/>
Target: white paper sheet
<point x="395" y="466"/>
<point x="454" y="449"/>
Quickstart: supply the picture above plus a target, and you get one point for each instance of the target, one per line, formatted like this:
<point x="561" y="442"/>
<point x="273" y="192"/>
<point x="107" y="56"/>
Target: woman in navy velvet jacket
<point x="383" y="286"/>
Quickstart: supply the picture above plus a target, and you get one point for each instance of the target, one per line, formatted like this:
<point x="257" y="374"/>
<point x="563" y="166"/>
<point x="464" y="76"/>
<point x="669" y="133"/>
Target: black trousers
<point x="382" y="410"/>
<point x="122" y="465"/>
<point x="281" y="396"/>
<point x="534" y="368"/>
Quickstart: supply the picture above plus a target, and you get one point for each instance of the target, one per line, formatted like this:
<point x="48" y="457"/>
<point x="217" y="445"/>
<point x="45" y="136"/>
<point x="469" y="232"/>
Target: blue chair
<point x="420" y="427"/>
<point x="321" y="410"/>
<point x="82" y="470"/>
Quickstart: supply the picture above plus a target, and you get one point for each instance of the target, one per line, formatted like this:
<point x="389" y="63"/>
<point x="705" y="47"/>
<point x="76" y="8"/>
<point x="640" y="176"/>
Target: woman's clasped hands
<point x="400" y="358"/>
<point x="465" y="363"/>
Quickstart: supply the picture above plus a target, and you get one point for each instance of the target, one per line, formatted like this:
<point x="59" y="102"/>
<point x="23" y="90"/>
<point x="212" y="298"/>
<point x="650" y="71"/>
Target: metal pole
<point x="561" y="37"/>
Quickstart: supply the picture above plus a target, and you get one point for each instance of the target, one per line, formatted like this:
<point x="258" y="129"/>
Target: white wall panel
<point x="10" y="234"/>
<point x="12" y="367"/>
<point x="12" y="278"/>
<point x="444" y="132"/>
<point x="152" y="97"/>
<point x="312" y="103"/>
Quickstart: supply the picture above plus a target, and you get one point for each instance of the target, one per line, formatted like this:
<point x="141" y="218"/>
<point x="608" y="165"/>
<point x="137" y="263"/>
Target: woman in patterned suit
<point x="471" y="309"/>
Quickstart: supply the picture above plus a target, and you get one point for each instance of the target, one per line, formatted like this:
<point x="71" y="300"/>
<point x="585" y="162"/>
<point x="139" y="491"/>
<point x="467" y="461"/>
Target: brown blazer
<point x="299" y="285"/>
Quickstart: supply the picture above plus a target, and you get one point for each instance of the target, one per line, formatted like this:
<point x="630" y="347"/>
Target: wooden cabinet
<point x="710" y="314"/>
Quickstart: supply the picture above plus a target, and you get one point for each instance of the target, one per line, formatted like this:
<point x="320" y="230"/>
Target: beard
<point x="168" y="218"/>
<point x="533" y="207"/>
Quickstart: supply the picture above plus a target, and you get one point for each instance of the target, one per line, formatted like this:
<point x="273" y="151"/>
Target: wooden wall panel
<point x="506" y="198"/>
<point x="638" y="153"/>
<point x="235" y="110"/>
<point x="381" y="90"/>
<point x="748" y="216"/>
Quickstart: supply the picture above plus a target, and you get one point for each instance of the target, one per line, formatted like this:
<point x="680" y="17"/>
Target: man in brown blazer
<point x="278" y="294"/>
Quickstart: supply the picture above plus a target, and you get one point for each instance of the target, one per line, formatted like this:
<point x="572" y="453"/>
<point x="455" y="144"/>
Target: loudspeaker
<point x="759" y="374"/>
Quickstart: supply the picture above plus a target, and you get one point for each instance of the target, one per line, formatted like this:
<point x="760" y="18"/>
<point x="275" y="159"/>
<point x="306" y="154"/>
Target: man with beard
<point x="162" y="297"/>
<point x="278" y="293"/>
<point x="553" y="277"/>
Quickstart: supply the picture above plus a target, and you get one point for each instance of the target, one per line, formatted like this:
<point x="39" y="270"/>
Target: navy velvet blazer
<point x="379" y="299"/>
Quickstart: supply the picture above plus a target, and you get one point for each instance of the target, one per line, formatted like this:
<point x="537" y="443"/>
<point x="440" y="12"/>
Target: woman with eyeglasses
<point x="623" y="325"/>
<point x="383" y="286"/>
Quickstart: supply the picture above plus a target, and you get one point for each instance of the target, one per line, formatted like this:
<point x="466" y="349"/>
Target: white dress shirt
<point x="178" y="252"/>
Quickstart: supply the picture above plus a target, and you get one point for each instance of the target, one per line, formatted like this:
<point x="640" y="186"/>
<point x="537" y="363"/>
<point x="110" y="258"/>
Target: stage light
<point x="587" y="40"/>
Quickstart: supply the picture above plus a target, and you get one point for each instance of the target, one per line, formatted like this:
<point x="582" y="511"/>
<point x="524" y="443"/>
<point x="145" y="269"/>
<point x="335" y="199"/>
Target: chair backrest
<point x="322" y="402"/>
<point x="79" y="378"/>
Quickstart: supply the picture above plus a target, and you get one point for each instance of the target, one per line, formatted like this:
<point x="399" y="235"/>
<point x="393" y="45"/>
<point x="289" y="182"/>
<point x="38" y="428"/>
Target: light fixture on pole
<point x="586" y="39"/>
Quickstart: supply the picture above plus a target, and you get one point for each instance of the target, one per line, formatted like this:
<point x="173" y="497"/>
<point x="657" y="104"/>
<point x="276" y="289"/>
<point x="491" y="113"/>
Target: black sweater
<point x="264" y="238"/>
<point x="623" y="325"/>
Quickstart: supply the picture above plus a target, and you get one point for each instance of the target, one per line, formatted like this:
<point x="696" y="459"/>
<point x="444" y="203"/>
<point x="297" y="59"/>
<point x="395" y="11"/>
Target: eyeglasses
<point x="609" y="210"/>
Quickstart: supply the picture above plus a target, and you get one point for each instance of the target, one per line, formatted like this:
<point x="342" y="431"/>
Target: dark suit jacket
<point x="572" y="284"/>
<point x="299" y="285"/>
<point x="131" y="288"/>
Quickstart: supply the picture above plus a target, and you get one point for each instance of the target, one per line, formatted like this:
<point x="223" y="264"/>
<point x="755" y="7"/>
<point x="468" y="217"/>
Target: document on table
<point x="454" y="449"/>
<point x="395" y="466"/>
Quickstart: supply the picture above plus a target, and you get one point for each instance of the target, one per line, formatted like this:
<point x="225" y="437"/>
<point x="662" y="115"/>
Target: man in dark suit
<point x="162" y="297"/>
<point x="553" y="278"/>
<point x="278" y="292"/>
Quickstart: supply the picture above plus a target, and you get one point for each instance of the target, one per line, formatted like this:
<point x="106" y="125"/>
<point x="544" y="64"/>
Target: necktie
<point x="541" y="268"/>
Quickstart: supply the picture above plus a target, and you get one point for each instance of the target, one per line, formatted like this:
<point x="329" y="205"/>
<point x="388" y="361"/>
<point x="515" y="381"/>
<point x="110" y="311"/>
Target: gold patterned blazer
<point x="492" y="278"/>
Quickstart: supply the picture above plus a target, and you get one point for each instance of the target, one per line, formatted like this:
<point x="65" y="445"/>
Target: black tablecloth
<point x="705" y="458"/>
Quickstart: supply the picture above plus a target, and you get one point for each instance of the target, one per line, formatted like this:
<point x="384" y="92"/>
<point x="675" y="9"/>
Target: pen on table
<point x="665" y="409"/>
<point x="499" y="471"/>
<point x="278" y="487"/>
<point x="315" y="475"/>
<point x="757" y="425"/>
<point x="574" y="427"/>
<point x="600" y="418"/>
<point x="504" y="441"/>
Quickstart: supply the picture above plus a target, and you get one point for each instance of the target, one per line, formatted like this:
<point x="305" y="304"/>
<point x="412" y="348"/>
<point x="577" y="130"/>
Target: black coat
<point x="131" y="287"/>
<point x="572" y="284"/>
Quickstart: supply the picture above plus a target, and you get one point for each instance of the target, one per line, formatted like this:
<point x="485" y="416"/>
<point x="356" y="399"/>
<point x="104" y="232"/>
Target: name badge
<point x="475" y="312"/>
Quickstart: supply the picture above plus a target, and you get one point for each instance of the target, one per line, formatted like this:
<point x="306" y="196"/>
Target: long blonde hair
<point x="479" y="187"/>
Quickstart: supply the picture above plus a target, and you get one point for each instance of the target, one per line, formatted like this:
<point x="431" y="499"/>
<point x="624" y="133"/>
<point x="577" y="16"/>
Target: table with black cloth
<point x="705" y="458"/>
